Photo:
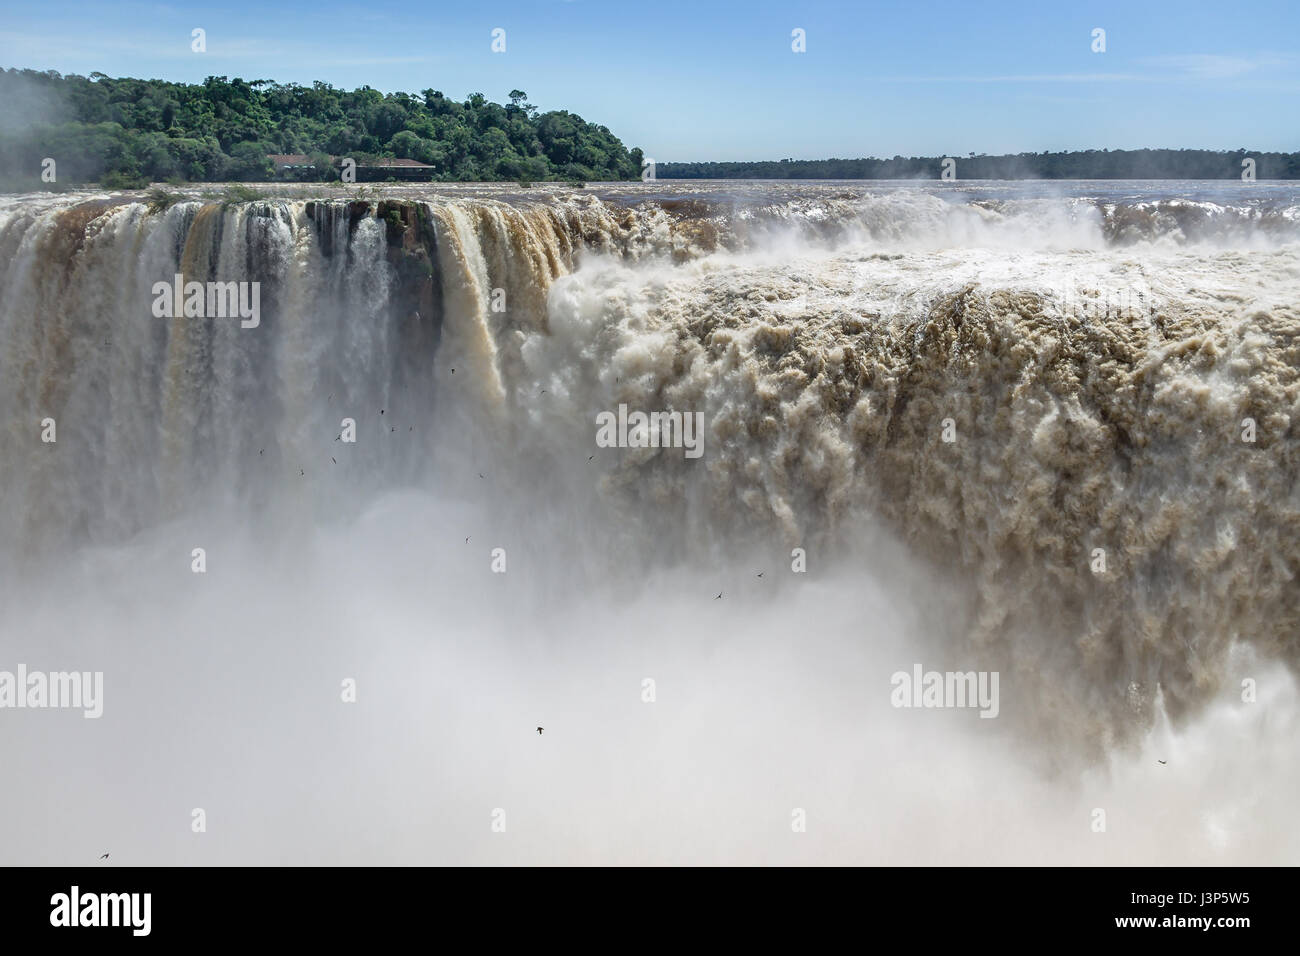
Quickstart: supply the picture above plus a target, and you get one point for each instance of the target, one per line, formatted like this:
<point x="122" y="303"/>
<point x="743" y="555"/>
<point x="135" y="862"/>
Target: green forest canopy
<point x="1079" y="164"/>
<point x="127" y="132"/>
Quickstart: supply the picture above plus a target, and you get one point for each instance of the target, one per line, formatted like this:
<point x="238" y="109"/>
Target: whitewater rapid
<point x="950" y="404"/>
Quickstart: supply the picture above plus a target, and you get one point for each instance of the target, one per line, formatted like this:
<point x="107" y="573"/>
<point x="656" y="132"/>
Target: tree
<point x="224" y="128"/>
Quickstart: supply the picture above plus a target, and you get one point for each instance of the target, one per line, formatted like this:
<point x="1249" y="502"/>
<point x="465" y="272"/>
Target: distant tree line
<point x="127" y="132"/>
<point x="1084" y="164"/>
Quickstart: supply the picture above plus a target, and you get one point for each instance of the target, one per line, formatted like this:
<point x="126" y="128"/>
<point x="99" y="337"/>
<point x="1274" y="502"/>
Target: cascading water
<point x="951" y="405"/>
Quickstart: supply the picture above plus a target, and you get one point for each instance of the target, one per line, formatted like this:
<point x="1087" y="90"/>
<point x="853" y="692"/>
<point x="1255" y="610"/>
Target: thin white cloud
<point x="1207" y="66"/>
<point x="1022" y="78"/>
<point x="1161" y="69"/>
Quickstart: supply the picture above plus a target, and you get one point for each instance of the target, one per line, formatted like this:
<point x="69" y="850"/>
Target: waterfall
<point x="1054" y="425"/>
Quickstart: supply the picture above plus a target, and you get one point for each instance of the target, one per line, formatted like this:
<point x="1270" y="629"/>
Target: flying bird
<point x="104" y="857"/>
<point x="539" y="731"/>
<point x="301" y="473"/>
<point x="1162" y="761"/>
<point x="332" y="459"/>
<point x="589" y="457"/>
<point x="719" y="597"/>
<point x="340" y="437"/>
<point x="467" y="540"/>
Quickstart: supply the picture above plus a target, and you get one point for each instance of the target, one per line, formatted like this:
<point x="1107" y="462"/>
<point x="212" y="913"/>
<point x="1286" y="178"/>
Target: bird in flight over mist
<point x="539" y="731"/>
<point x="1162" y="761"/>
<point x="104" y="857"/>
<point x="719" y="597"/>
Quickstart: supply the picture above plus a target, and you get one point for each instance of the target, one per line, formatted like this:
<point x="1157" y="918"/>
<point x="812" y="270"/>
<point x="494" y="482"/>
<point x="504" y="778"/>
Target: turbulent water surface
<point x="1047" y="430"/>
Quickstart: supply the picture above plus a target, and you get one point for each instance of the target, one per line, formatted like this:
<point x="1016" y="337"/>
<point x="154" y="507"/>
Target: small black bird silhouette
<point x="760" y="574"/>
<point x="332" y="459"/>
<point x="381" y="411"/>
<point x="539" y="731"/>
<point x="104" y="857"/>
<point x="589" y="457"/>
<point x="543" y="391"/>
<point x="261" y="450"/>
<point x="719" y="597"/>
<point x="453" y="371"/>
<point x="1162" y="761"/>
<point x="392" y="428"/>
<point x="467" y="540"/>
<point x="301" y="473"/>
<point x="480" y="474"/>
<point x="340" y="437"/>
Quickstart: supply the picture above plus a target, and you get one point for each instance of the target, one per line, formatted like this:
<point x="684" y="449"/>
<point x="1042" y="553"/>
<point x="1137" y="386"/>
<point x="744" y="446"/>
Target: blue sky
<point x="718" y="80"/>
